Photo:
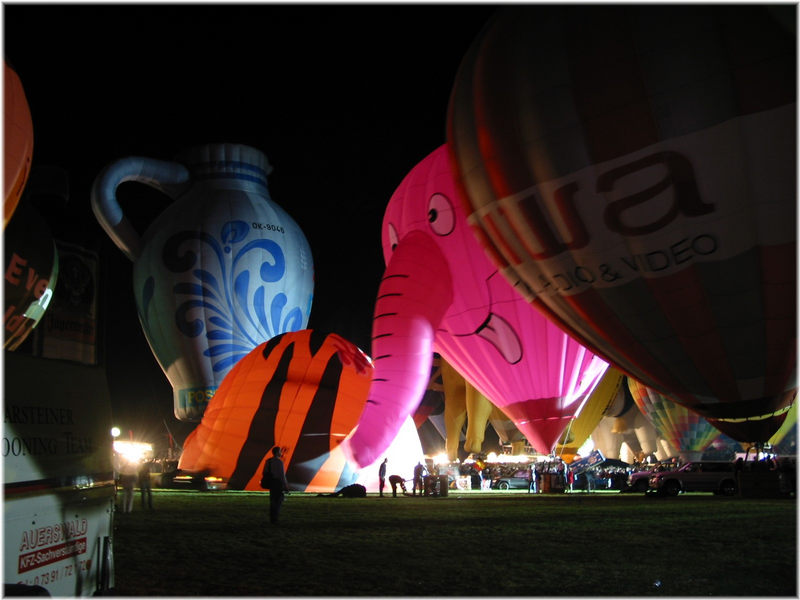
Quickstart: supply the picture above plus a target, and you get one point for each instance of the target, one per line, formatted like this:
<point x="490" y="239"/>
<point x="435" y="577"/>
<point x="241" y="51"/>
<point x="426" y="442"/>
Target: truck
<point x="58" y="478"/>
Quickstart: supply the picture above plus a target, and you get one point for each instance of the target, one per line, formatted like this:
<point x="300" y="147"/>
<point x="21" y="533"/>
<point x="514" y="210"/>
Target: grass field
<point x="465" y="544"/>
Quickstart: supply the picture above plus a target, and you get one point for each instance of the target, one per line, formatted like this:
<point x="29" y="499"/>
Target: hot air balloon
<point x="506" y="431"/>
<point x="624" y="432"/>
<point x="303" y="391"/>
<point x="441" y="294"/>
<point x="31" y="257"/>
<point x="586" y="421"/>
<point x="220" y="271"/>
<point x="632" y="171"/>
<point x="687" y="431"/>
<point x="463" y="403"/>
<point x="785" y="439"/>
<point x="31" y="273"/>
<point x="17" y="141"/>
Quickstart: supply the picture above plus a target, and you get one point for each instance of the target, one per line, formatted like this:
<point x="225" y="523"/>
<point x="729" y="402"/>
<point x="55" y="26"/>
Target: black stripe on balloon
<point x="261" y="434"/>
<point x="270" y="345"/>
<point x="315" y="341"/>
<point x="314" y="440"/>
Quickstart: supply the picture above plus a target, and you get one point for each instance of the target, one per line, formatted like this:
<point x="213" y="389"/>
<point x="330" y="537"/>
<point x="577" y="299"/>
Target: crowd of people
<point x="552" y="475"/>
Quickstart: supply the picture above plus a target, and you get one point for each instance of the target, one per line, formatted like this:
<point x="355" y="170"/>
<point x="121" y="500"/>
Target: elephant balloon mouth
<point x="501" y="335"/>
<point x="498" y="331"/>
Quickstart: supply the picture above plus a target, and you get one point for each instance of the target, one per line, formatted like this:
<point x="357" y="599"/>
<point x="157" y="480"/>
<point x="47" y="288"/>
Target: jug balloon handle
<point x="168" y="177"/>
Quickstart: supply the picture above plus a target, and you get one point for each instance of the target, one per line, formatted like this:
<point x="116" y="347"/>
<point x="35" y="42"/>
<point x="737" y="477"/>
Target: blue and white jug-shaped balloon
<point x="220" y="271"/>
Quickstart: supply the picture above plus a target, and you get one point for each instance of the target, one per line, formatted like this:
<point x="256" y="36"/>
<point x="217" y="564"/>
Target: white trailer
<point x="59" y="488"/>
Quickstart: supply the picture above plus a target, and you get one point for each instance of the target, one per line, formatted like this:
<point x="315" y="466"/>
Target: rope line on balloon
<point x="565" y="437"/>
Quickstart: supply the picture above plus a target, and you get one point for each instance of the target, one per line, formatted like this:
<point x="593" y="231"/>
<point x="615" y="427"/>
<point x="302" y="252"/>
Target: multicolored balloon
<point x="632" y="171"/>
<point x="220" y="271"/>
<point x="441" y="294"/>
<point x="687" y="431"/>
<point x="303" y="391"/>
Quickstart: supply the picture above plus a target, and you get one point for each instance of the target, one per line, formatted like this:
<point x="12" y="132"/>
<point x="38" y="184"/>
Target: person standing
<point x="127" y="478"/>
<point x="533" y="488"/>
<point x="144" y="485"/>
<point x="418" y="483"/>
<point x="382" y="476"/>
<point x="275" y="474"/>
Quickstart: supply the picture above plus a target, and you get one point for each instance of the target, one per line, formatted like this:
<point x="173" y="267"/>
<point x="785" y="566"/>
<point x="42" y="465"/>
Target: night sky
<point x="344" y="100"/>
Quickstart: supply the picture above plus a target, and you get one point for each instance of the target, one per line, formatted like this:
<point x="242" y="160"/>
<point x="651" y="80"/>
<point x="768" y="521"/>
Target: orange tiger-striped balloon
<point x="303" y="391"/>
<point x="17" y="141"/>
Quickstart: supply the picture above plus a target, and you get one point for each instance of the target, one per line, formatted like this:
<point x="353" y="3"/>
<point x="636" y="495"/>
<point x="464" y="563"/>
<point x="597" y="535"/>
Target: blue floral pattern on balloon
<point x="242" y="312"/>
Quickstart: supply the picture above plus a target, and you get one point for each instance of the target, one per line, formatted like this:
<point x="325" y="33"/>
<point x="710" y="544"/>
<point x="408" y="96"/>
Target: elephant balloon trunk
<point x="414" y="295"/>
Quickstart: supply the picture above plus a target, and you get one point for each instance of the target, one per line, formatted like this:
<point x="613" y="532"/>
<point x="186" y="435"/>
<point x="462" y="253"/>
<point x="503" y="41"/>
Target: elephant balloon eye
<point x="393" y="239"/>
<point x="441" y="216"/>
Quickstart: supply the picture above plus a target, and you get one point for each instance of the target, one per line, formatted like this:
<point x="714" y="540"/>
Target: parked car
<point x="639" y="481"/>
<point x="520" y="480"/>
<point x="698" y="476"/>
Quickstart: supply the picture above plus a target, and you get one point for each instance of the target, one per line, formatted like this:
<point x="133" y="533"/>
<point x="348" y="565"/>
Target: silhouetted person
<point x="418" y="483"/>
<point x="396" y="481"/>
<point x="533" y="488"/>
<point x="127" y="477"/>
<point x="144" y="485"/>
<point x="275" y="475"/>
<point x="382" y="476"/>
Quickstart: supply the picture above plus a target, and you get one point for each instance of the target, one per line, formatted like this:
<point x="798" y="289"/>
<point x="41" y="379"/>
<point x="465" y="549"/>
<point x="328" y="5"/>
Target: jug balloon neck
<point x="227" y="165"/>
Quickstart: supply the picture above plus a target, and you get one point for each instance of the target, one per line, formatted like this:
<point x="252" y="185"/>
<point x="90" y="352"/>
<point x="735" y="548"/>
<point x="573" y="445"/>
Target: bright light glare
<point x="115" y="432"/>
<point x="441" y="459"/>
<point x="132" y="451"/>
<point x="493" y="457"/>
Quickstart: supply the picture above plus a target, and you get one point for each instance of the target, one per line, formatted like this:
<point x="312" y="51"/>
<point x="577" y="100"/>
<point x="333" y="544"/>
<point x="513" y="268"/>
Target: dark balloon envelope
<point x="632" y="170"/>
<point x="31" y="271"/>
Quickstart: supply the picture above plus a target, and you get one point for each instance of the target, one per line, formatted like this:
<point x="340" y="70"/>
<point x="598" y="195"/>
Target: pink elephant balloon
<point x="440" y="293"/>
